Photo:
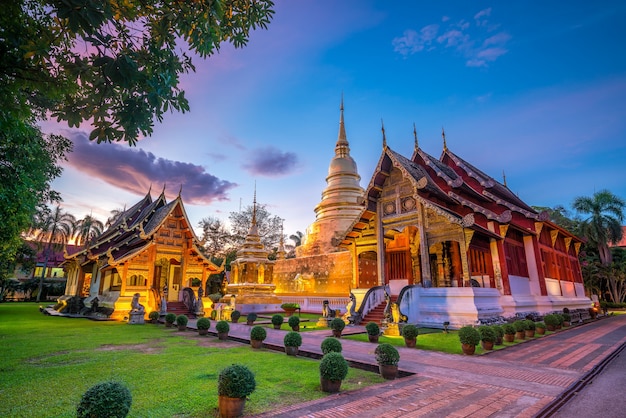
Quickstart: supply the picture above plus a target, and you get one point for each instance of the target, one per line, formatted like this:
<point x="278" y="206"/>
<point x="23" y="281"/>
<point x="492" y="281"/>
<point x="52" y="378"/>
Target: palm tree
<point x="604" y="224"/>
<point x="54" y="228"/>
<point x="87" y="229"/>
<point x="115" y="215"/>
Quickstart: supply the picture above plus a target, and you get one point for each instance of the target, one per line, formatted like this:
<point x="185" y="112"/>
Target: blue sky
<point x="535" y="89"/>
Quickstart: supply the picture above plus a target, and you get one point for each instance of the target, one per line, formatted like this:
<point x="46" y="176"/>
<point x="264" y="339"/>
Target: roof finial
<point x="443" y="135"/>
<point x="180" y="191"/>
<point x="504" y="178"/>
<point x="163" y="191"/>
<point x="342" y="149"/>
<point x="150" y="189"/>
<point x="382" y="128"/>
<point x="254" y="206"/>
<point x="415" y="137"/>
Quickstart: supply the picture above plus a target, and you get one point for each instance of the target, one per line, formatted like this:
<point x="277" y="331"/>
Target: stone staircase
<point x="375" y="315"/>
<point x="179" y="308"/>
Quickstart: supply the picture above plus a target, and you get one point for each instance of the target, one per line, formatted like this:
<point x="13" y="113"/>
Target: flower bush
<point x="330" y="345"/>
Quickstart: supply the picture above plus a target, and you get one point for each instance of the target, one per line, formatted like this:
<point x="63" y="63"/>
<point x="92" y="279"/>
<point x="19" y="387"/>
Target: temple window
<point x="515" y="254"/>
<point x="136" y="280"/>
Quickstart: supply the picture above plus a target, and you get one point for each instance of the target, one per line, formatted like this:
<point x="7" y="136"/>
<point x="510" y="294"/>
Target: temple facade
<point x="152" y="251"/>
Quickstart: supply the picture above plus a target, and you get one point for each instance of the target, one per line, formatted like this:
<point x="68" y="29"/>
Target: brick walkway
<point x="519" y="381"/>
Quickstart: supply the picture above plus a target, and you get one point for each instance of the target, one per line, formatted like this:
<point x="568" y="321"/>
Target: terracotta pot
<point x="234" y="321"/>
<point x="566" y="324"/>
<point x="498" y="340"/>
<point x="520" y="335"/>
<point x="277" y="326"/>
<point x="530" y="333"/>
<point x="509" y="338"/>
<point x="182" y="327"/>
<point x="256" y="343"/>
<point x="169" y="324"/>
<point x="230" y="407"/>
<point x="468" y="349"/>
<point x="336" y="334"/>
<point x="410" y="342"/>
<point x="289" y="311"/>
<point x="540" y="331"/>
<point x="487" y="345"/>
<point x="291" y="351"/>
<point x="551" y="327"/>
<point x="222" y="335"/>
<point x="203" y="332"/>
<point x="249" y="322"/>
<point x="296" y="328"/>
<point x="372" y="338"/>
<point x="388" y="371"/>
<point x="330" y="386"/>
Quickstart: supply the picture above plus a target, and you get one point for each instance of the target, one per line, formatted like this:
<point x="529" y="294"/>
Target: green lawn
<point x="49" y="362"/>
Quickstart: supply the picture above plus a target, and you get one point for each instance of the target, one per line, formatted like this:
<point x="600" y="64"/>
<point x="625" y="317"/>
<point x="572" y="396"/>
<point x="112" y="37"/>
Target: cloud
<point x="270" y="162"/>
<point x="478" y="45"/>
<point x="136" y="170"/>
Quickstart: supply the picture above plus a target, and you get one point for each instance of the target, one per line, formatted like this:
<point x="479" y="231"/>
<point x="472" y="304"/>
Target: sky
<point x="534" y="90"/>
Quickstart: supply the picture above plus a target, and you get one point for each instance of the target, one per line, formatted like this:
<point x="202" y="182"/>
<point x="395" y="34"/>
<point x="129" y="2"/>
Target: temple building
<point x="151" y="250"/>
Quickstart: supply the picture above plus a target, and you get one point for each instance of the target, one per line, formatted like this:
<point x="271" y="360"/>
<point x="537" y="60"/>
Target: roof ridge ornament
<point x="382" y="128"/>
<point x="504" y="179"/>
<point x="417" y="146"/>
<point x="443" y="135"/>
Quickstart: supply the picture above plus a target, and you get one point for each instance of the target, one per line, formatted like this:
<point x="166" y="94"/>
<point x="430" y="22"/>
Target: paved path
<point x="529" y="379"/>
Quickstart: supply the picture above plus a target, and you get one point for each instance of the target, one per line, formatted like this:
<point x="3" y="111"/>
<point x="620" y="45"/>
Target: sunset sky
<point x="535" y="89"/>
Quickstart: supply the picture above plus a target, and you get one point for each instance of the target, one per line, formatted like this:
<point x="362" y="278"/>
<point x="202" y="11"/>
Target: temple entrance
<point x="174" y="281"/>
<point x="445" y="264"/>
<point x="368" y="276"/>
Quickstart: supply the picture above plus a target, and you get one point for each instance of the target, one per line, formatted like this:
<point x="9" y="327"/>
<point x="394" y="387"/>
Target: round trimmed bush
<point x="520" y="325"/>
<point x="469" y="335"/>
<point x="277" y="320"/>
<point x="251" y="317"/>
<point x="566" y="317"/>
<point x="105" y="400"/>
<point x="331" y="345"/>
<point x="153" y="316"/>
<point x="236" y="381"/>
<point x="182" y="320"/>
<point x="337" y="324"/>
<point x="540" y="325"/>
<point x="410" y="331"/>
<point x="222" y="326"/>
<point x="372" y="328"/>
<point x="333" y="367"/>
<point x="509" y="329"/>
<point x="293" y="321"/>
<point x="203" y="323"/>
<point x="551" y="319"/>
<point x="292" y="339"/>
<point x="499" y="330"/>
<point x="560" y="318"/>
<point x="387" y="354"/>
<point x="235" y="315"/>
<point x="487" y="334"/>
<point x="530" y="325"/>
<point x="258" y="333"/>
<point x="170" y="318"/>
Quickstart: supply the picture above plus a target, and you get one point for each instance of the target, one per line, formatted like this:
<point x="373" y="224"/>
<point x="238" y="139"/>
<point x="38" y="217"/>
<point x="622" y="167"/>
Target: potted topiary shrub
<point x="560" y="318"/>
<point x="530" y="328"/>
<point x="540" y="328"/>
<point x="567" y="319"/>
<point x="203" y="325"/>
<point x="337" y="325"/>
<point x="387" y="357"/>
<point x="257" y="335"/>
<point x="277" y="321"/>
<point x="292" y="341"/>
<point x="509" y="333"/>
<point x="487" y="337"/>
<point x="181" y="322"/>
<point x="499" y="333"/>
<point x="222" y="329"/>
<point x="373" y="331"/>
<point x="290" y="307"/>
<point x="103" y="400"/>
<point x="469" y="338"/>
<point x="409" y="332"/>
<point x="235" y="315"/>
<point x="331" y="345"/>
<point x="153" y="316"/>
<point x="520" y="329"/>
<point x="333" y="369"/>
<point x="551" y="321"/>
<point x="234" y="384"/>
<point x="251" y="318"/>
<point x="294" y="323"/>
<point x="170" y="318"/>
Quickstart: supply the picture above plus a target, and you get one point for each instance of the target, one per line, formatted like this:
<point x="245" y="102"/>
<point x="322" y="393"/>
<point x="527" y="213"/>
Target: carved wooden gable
<point x="397" y="195"/>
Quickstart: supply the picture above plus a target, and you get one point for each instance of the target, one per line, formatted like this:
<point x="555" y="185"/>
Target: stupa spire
<point x="254" y="208"/>
<point x="342" y="149"/>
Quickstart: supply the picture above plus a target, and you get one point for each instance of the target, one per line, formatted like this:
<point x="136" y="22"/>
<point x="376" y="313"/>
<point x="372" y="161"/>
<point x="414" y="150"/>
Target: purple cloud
<point x="135" y="170"/>
<point x="270" y="162"/>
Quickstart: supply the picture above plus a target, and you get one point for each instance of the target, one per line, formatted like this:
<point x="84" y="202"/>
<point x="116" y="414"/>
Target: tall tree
<point x="215" y="236"/>
<point x="269" y="226"/>
<point x="54" y="228"/>
<point x="87" y="229"/>
<point x="562" y="217"/>
<point x="604" y="223"/>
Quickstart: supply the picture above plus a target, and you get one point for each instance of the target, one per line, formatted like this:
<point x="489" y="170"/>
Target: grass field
<point x="49" y="362"/>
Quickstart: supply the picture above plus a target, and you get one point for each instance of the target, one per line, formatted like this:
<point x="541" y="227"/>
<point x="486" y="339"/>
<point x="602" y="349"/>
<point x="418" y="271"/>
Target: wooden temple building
<point x="151" y="250"/>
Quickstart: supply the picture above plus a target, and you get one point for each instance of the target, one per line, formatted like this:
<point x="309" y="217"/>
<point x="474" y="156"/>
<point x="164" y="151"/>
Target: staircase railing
<point x="405" y="289"/>
<point x="189" y="299"/>
<point x="155" y="295"/>
<point x="374" y="297"/>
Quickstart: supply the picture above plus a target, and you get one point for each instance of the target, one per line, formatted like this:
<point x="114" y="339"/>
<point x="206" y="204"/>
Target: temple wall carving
<point x="326" y="274"/>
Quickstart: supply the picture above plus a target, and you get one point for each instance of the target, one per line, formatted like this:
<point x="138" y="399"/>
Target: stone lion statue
<point x="327" y="312"/>
<point x="135" y="305"/>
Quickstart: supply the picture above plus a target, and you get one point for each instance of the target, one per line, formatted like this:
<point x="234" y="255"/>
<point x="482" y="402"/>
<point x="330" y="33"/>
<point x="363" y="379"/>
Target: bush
<point x="540" y="325"/>
<point x="235" y="315"/>
<point x="333" y="367"/>
<point x="337" y="324"/>
<point x="258" y="333"/>
<point x="236" y="381"/>
<point x="387" y="354"/>
<point x="499" y="330"/>
<point x="182" y="320"/>
<point x="277" y="320"/>
<point x="203" y="323"/>
<point x="293" y="321"/>
<point x="566" y="317"/>
<point x="410" y="331"/>
<point x="487" y="334"/>
<point x="520" y="325"/>
<point x="215" y="297"/>
<point x="509" y="329"/>
<point x="469" y="335"/>
<point x="551" y="319"/>
<point x="170" y="318"/>
<point x="105" y="400"/>
<point x="560" y="318"/>
<point x="331" y="345"/>
<point x="222" y="326"/>
<point x="292" y="339"/>
<point x="153" y="316"/>
<point x="251" y="317"/>
<point x="530" y="324"/>
<point x="290" y="305"/>
<point x="372" y="328"/>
